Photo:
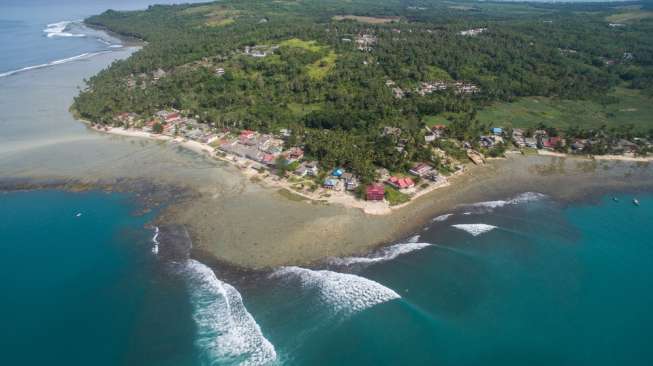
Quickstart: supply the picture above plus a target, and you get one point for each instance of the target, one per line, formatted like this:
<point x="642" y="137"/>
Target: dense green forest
<point x="316" y="80"/>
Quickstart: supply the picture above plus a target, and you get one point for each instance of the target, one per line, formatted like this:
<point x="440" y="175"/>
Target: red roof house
<point x="375" y="192"/>
<point x="551" y="142"/>
<point x="401" y="183"/>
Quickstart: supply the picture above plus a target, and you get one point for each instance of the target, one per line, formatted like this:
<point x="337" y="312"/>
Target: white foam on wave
<point x="227" y="332"/>
<point x="83" y="56"/>
<point x="155" y="248"/>
<point x="386" y="254"/>
<point x="58" y="29"/>
<point x="521" y="198"/>
<point x="475" y="229"/>
<point x="441" y="218"/>
<point x="344" y="293"/>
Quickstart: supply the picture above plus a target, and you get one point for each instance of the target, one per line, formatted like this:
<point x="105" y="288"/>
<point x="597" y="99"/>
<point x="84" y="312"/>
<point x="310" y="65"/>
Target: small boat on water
<point x="635" y="202"/>
<point x="615" y="199"/>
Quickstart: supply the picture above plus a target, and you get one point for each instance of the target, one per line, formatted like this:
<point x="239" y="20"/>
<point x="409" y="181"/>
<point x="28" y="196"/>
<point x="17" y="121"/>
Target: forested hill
<point x="360" y="65"/>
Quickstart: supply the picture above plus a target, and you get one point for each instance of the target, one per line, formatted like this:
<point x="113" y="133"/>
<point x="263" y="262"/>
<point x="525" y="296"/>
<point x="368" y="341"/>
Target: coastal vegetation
<point x="361" y="86"/>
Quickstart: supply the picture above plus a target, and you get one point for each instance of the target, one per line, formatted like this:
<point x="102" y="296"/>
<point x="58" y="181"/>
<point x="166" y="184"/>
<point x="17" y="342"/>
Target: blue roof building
<point x="337" y="172"/>
<point x="497" y="130"/>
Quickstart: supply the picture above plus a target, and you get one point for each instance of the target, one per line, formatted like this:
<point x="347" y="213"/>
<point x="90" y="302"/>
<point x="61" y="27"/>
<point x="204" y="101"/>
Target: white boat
<point x="635" y="202"/>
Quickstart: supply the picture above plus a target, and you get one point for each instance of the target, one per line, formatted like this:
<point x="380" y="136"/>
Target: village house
<point x="331" y="183"/>
<point x="219" y="71"/>
<point x="518" y="137"/>
<point x="552" y="142"/>
<point x="307" y="169"/>
<point x="294" y="154"/>
<point x="420" y="169"/>
<point x="351" y="182"/>
<point x="401" y="183"/>
<point x="375" y="192"/>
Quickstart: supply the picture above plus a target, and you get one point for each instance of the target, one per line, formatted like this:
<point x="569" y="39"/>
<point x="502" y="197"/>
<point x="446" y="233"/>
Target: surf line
<point x="82" y="56"/>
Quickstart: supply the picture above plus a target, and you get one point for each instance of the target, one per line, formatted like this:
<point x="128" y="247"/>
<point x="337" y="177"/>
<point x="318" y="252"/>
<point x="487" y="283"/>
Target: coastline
<point x="267" y="180"/>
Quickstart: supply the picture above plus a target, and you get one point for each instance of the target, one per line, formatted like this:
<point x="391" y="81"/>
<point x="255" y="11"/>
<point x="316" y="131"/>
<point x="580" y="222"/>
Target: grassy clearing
<point x="301" y="110"/>
<point x="632" y="107"/>
<point x="436" y="73"/>
<point x="629" y="16"/>
<point x="368" y="20"/>
<point x="395" y="197"/>
<point x="219" y="22"/>
<point x="320" y="68"/>
<point x="440" y="119"/>
<point x="299" y="43"/>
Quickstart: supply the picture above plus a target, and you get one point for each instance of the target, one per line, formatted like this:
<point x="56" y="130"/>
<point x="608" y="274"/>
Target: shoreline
<point x="596" y="157"/>
<point x="268" y="180"/>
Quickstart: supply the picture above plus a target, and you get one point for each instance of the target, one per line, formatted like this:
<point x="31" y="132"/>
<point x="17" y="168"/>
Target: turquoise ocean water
<point x="521" y="281"/>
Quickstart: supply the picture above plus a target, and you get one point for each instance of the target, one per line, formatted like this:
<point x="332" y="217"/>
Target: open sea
<point x="526" y="280"/>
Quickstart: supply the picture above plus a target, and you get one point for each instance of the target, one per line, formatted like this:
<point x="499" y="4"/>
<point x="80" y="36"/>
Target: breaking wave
<point x="441" y="218"/>
<point x="58" y="29"/>
<point x="54" y="63"/>
<point x="227" y="332"/>
<point x="521" y="198"/>
<point x="382" y="255"/>
<point x="345" y="294"/>
<point x="155" y="248"/>
<point x="475" y="229"/>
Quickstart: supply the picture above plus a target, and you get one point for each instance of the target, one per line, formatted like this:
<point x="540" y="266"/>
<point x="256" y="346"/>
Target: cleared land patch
<point x="368" y="20"/>
<point x="631" y="107"/>
<point x="630" y="16"/>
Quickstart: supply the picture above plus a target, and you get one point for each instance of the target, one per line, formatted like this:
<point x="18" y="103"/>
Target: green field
<point x="631" y="107"/>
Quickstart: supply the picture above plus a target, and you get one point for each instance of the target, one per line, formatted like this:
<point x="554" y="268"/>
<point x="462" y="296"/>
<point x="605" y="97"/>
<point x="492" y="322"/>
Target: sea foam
<point x="227" y="332"/>
<point x="155" y="241"/>
<point x="58" y="29"/>
<point x="345" y="294"/>
<point x="487" y="206"/>
<point x="385" y="254"/>
<point x="475" y="229"/>
<point x="441" y="218"/>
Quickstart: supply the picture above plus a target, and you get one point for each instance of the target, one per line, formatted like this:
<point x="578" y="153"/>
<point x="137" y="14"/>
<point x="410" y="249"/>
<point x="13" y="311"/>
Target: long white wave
<point x="83" y="56"/>
<point x="521" y="198"/>
<point x="385" y="254"/>
<point x="227" y="332"/>
<point x="441" y="218"/>
<point x="58" y="29"/>
<point x="344" y="293"/>
<point x="475" y="229"/>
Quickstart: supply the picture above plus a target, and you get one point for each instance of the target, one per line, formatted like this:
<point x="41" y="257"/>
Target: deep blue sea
<point x="526" y="280"/>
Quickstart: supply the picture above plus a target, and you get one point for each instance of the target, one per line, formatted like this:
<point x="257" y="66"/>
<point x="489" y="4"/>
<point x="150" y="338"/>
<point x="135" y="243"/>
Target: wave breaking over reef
<point x="226" y="332"/>
<point x="342" y="293"/>
<point x="489" y="206"/>
<point x="475" y="229"/>
<point x="382" y="255"/>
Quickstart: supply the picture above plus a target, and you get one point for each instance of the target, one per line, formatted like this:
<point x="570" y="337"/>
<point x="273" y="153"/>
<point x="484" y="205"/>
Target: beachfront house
<point x="552" y="142"/>
<point x="351" y="182"/>
<point x="401" y="183"/>
<point x="331" y="183"/>
<point x="294" y="154"/>
<point x="420" y="169"/>
<point x="375" y="192"/>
